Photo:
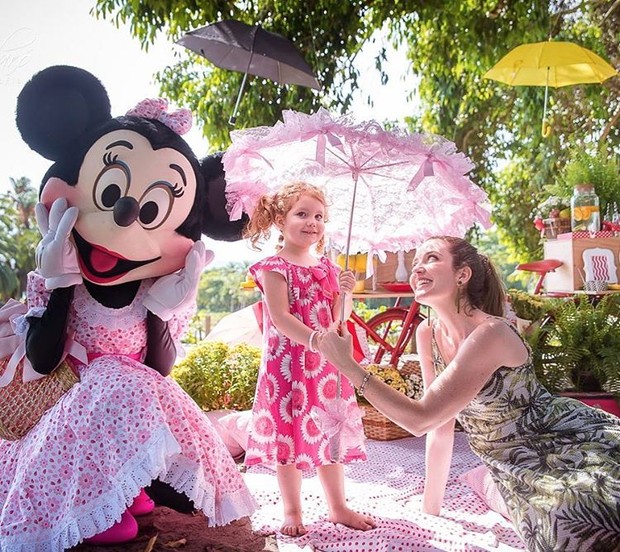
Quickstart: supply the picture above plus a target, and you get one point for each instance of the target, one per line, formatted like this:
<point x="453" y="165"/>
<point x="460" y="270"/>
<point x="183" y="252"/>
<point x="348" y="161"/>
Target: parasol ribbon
<point x="253" y="154"/>
<point x="370" y="265"/>
<point x="340" y="419"/>
<point x="243" y="204"/>
<point x="321" y="143"/>
<point x="425" y="169"/>
<point x="484" y="216"/>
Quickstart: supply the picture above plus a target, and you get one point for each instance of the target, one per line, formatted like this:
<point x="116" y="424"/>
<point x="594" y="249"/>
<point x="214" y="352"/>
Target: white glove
<point x="56" y="255"/>
<point x="174" y="292"/>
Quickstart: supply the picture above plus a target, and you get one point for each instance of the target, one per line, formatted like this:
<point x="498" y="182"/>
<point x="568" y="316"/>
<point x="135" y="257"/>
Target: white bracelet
<point x="362" y="386"/>
<point x="311" y="347"/>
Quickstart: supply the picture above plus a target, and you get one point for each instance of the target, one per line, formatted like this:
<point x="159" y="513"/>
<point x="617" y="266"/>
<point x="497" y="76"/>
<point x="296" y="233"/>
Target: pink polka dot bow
<point x="180" y="121"/>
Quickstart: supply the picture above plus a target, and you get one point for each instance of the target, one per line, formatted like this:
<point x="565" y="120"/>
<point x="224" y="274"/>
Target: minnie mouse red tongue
<point x="122" y="211"/>
<point x="142" y="195"/>
<point x="125" y="199"/>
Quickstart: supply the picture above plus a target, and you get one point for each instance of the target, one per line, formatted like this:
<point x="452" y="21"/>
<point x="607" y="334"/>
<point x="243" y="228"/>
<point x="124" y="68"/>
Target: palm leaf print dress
<point x="556" y="461"/>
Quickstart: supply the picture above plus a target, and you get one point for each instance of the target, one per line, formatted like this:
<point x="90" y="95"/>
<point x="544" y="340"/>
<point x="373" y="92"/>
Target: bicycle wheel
<point x="385" y="330"/>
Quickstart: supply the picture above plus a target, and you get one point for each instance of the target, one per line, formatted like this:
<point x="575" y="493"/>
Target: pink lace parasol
<point x="408" y="186"/>
<point x="388" y="191"/>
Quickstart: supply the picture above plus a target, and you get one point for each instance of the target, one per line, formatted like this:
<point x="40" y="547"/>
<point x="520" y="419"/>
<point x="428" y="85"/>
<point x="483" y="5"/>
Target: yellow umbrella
<point x="548" y="64"/>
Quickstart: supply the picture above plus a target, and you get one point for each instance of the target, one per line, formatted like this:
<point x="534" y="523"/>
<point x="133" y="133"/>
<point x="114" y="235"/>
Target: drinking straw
<point x="582" y="276"/>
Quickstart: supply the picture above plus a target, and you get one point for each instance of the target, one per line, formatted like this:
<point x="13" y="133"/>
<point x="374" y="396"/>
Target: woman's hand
<point x="336" y="349"/>
<point x="346" y="280"/>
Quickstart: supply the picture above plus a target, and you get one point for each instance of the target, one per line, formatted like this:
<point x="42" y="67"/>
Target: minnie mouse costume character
<point x="122" y="211"/>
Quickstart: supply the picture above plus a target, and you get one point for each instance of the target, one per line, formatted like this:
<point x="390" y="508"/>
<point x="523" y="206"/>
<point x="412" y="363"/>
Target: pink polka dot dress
<point x="292" y="379"/>
<point x="120" y="427"/>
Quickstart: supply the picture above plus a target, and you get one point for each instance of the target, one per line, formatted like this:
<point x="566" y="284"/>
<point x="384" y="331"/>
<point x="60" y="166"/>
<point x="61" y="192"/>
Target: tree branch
<point x="612" y="122"/>
<point x="611" y="9"/>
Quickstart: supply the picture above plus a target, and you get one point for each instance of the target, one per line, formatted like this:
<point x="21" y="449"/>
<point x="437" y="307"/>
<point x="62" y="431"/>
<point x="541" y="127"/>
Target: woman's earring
<point x="457" y="301"/>
<point x="428" y="317"/>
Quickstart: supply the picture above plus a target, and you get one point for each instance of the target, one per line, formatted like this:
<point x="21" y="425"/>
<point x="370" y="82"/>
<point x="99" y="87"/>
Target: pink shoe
<point x="123" y="531"/>
<point x="142" y="505"/>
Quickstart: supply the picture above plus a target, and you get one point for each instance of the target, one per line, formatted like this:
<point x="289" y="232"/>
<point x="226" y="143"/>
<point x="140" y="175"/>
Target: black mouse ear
<point x="58" y="105"/>
<point x="216" y="223"/>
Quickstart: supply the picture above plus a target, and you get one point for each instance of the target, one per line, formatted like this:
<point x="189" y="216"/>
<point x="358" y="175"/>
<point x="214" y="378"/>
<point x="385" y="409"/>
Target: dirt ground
<point x="189" y="533"/>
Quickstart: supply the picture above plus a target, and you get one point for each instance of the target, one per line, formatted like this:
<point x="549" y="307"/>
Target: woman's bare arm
<point x="449" y="393"/>
<point x="439" y="441"/>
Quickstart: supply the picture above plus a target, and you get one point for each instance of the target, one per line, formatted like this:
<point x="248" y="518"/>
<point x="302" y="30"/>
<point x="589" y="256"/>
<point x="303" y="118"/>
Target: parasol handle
<point x="346" y="266"/>
<point x="233" y="118"/>
<point x="546" y="129"/>
<point x="348" y="247"/>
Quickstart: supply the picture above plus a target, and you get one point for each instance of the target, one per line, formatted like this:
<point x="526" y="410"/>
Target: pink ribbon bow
<point x="425" y="169"/>
<point x="179" y="121"/>
<point x="341" y="422"/>
<point x="327" y="277"/>
<point x="13" y="344"/>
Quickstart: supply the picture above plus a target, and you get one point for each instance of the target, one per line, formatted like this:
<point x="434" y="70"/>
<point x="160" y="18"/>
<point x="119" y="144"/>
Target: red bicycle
<point x="390" y="333"/>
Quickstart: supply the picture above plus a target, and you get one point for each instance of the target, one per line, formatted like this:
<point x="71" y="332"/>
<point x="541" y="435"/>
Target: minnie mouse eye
<point x="155" y="206"/>
<point x="111" y="185"/>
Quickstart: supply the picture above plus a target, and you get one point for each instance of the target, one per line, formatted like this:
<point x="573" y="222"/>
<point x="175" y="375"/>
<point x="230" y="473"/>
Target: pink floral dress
<point x="120" y="427"/>
<point x="292" y="379"/>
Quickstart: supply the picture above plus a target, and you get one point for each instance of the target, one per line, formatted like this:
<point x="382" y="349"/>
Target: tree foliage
<point x="450" y="46"/>
<point x="219" y="289"/>
<point x="19" y="237"/>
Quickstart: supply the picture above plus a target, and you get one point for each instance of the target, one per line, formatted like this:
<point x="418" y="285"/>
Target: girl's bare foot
<point x="293" y="526"/>
<point x="352" y="519"/>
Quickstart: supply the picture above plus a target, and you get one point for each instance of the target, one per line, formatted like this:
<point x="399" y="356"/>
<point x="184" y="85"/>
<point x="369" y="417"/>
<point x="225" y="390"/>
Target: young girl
<point x="302" y="296"/>
<point x="556" y="461"/>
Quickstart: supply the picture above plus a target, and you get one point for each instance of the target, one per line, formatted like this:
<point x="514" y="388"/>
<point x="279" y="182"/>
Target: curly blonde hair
<point x="272" y="206"/>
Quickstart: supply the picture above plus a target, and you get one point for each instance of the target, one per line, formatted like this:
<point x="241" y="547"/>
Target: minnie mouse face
<point x="131" y="199"/>
<point x="142" y="195"/>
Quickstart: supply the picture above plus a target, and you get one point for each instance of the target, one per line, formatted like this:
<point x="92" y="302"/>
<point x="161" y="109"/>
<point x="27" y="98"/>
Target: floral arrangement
<point x="407" y="382"/>
<point x="552" y="207"/>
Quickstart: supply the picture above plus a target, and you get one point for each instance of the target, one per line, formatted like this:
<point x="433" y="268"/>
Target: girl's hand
<point x="346" y="280"/>
<point x="334" y="348"/>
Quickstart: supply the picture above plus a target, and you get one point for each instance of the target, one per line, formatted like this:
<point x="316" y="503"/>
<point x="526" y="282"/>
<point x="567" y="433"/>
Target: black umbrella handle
<point x="233" y="118"/>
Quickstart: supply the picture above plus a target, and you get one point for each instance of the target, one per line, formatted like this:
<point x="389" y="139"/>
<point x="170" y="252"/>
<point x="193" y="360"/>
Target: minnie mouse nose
<point x="126" y="211"/>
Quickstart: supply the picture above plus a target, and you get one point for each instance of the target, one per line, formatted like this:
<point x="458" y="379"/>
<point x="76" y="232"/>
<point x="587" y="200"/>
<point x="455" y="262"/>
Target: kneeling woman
<point x="556" y="462"/>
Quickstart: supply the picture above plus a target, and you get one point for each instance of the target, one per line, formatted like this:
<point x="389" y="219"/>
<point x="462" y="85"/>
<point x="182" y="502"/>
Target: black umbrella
<point x="232" y="44"/>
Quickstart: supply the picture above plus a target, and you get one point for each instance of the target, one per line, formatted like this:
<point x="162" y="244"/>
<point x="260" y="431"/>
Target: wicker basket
<point x="376" y="425"/>
<point x="23" y="404"/>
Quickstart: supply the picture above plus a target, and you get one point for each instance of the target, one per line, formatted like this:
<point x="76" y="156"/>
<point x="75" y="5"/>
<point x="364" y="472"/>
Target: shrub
<point x="578" y="347"/>
<point x="528" y="306"/>
<point x="218" y="376"/>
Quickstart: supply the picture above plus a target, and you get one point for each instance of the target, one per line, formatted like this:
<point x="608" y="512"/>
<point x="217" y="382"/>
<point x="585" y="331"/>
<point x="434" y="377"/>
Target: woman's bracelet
<point x="362" y="387"/>
<point x="311" y="339"/>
